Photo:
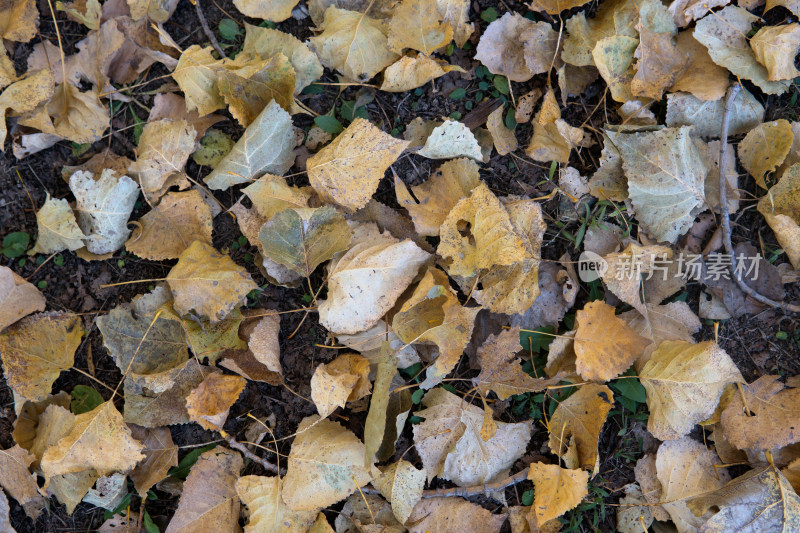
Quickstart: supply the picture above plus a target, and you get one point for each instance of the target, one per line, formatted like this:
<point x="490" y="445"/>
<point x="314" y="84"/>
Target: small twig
<point x="477" y="490"/>
<point x="725" y="215"/>
<point x="236" y="445"/>
<point x="206" y="29"/>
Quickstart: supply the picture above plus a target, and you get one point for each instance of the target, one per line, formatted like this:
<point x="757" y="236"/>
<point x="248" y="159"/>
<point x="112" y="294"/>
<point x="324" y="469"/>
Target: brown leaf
<point x="25" y="95"/>
<point x="453" y="515"/>
<point x="345" y="379"/>
<point x="160" y="454"/>
<point x="17" y="480"/>
<point x="17" y="298"/>
<point x="168" y="407"/>
<point x="248" y="83"/>
<point x="209" y="403"/>
<point x="164" y="147"/>
<point x="765" y="147"/>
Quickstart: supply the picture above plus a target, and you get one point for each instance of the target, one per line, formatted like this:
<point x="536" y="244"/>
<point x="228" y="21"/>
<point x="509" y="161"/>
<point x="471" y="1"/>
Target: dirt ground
<point x="77" y="286"/>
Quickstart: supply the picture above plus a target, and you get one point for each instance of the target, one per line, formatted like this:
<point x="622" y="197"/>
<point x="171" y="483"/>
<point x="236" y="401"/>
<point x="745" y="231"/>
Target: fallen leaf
<point x="20" y="20"/>
<point x="724" y="33"/>
<point x="365" y="282"/>
<point x="554" y="7"/>
<point x="375" y="425"/>
<point x="271" y="194"/>
<point x="775" y="47"/>
<point x="57" y="228"/>
<point x="212" y="341"/>
<point x="456" y="14"/>
<point x="160" y="454"/>
<point x="265" y="147"/>
<point x="19" y="298"/>
<point x="5" y="514"/>
<point x="453" y="515"/>
<point x="156" y="10"/>
<point x="605" y="345"/>
<point x="248" y="83"/>
<point x="659" y="60"/>
<point x="326" y="464"/>
<point x="702" y="77"/>
<point x="343" y="380"/>
<point x="450" y="445"/>
<point x="353" y="43"/>
<point x="348" y="170"/>
<point x="433" y="200"/>
<point x="25" y="95"/>
<point x="685" y="468"/>
<point x="576" y="424"/>
<point x="451" y="140"/>
<point x="767" y="421"/>
<point x="502" y="48"/>
<point x="408" y="73"/>
<point x="761" y="499"/>
<point x="505" y="141"/>
<point x="613" y="57"/>
<point x="103" y="206"/>
<point x="268" y="42"/>
<point x="268" y="513"/>
<point x="170" y="227"/>
<point x="647" y="478"/>
<point x="433" y="314"/>
<point x="685" y="11"/>
<point x="401" y="484"/>
<point x="99" y="440"/>
<point x="209" y="500"/>
<point x="557" y="490"/>
<point x="272" y="11"/>
<point x="501" y="371"/>
<point x="207" y="282"/>
<point x="765" y="147"/>
<point x="553" y="139"/>
<point x="196" y="75"/>
<point x="164" y="147"/>
<point x="781" y="209"/>
<point x="70" y="114"/>
<point x="666" y="174"/>
<point x="17" y="480"/>
<point x="672" y="322"/>
<point x="210" y="402"/>
<point x="367" y="512"/>
<point x="631" y="516"/>
<point x="87" y="12"/>
<point x="684" y="383"/>
<point x="36" y="349"/>
<point x="416" y="24"/>
<point x="706" y="116"/>
<point x="525" y="105"/>
<point x="625" y="272"/>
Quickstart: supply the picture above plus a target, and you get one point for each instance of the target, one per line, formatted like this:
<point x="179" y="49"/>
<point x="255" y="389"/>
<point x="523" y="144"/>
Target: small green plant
<point x="15" y="244"/>
<point x="457" y="94"/>
<point x="58" y="260"/>
<point x="42" y="285"/>
<point x="489" y="14"/>
<point x="84" y="399"/>
<point x="229" y="29"/>
<point x="329" y="123"/>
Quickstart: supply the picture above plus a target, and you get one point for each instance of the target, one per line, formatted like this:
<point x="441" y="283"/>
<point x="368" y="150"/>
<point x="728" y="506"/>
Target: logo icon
<point x="591" y="266"/>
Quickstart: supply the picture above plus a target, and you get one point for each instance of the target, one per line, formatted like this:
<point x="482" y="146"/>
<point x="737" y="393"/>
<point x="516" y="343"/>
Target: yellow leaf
<point x="613" y="57"/>
<point x="456" y="14"/>
<point x="577" y="422"/>
<point x="401" y="484"/>
<point x="36" y="349"/>
<point x="775" y="47"/>
<point x="25" y="95"/>
<point x="268" y="42"/>
<point x="87" y="12"/>
<point x="415" y="24"/>
<point x="781" y="209"/>
<point x="557" y="490"/>
<point x="684" y="383"/>
<point x="501" y="371"/>
<point x="209" y="403"/>
<point x="348" y="170"/>
<point x="71" y="114"/>
<point x="366" y="281"/>
<point x="375" y="426"/>
<point x="408" y="73"/>
<point x="196" y="75"/>
<point x="17" y="298"/>
<point x="345" y="379"/>
<point x="660" y="61"/>
<point x="605" y="345"/>
<point x="17" y="480"/>
<point x="765" y="147"/>
<point x="490" y="239"/>
<point x="554" y="7"/>
<point x="271" y="194"/>
<point x="769" y="419"/>
<point x="155" y="10"/>
<point x="451" y="515"/>
<point x="19" y="20"/>
<point x="207" y="282"/>
<point x="170" y="227"/>
<point x="275" y="11"/>
<point x="433" y="314"/>
<point x="353" y="43"/>
<point x="209" y="501"/>
<point x="164" y="147"/>
<point x="505" y="141"/>
<point x="58" y="230"/>
<point x="702" y="77"/>
<point x="99" y="440"/>
<point x="249" y="83"/>
<point x="326" y="464"/>
<point x="268" y="513"/>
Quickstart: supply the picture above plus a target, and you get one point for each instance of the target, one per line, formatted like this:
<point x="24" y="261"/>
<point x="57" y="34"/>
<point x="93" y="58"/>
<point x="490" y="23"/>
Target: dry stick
<point x="725" y="215"/>
<point x="477" y="490"/>
<point x="236" y="445"/>
<point x="206" y="29"/>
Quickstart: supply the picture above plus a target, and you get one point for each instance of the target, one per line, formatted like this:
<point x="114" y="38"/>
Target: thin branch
<point x="206" y="29"/>
<point x="477" y="490"/>
<point x="236" y="445"/>
<point x="725" y="215"/>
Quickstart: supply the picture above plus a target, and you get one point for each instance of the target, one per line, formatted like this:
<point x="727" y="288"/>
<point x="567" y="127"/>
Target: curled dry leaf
<point x="348" y="170"/>
<point x="326" y="464"/>
<point x="36" y="349"/>
<point x="401" y="484"/>
<point x="99" y="440"/>
<point x="18" y="298"/>
<point x="365" y="282"/>
<point x="170" y="227"/>
<point x="576" y="424"/>
<point x="433" y="314"/>
<point x="25" y="95"/>
<point x="345" y="379"/>
<point x="267" y="512"/>
<point x="769" y="419"/>
<point x="160" y="454"/>
<point x="266" y="147"/>
<point x="376" y="424"/>
<point x="765" y="147"/>
<point x="268" y="42"/>
<point x="408" y="73"/>
<point x="504" y="140"/>
<point x="775" y="47"/>
<point x="209" y="403"/>
<point x="451" y="140"/>
<point x="452" y="515"/>
<point x="103" y="206"/>
<point x="553" y="139"/>
<point x="209" y="500"/>
<point x="150" y="409"/>
<point x="502" y="47"/>
<point x="248" y="83"/>
<point x="17" y="480"/>
<point x="605" y="345"/>
<point x="57" y="228"/>
<point x="436" y="197"/>
<point x="353" y="43"/>
<point x="781" y="209"/>
<point x="164" y="147"/>
<point x="450" y="444"/>
<point x="207" y="282"/>
<point x="557" y="490"/>
<point x="625" y="281"/>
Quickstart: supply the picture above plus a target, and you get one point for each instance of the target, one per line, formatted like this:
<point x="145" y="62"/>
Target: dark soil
<point x="78" y="286"/>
